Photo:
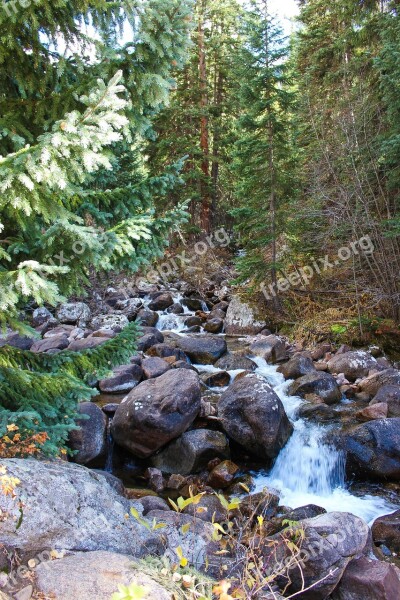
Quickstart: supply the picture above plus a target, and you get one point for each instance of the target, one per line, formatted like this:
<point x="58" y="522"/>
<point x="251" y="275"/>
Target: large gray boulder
<point x="157" y="411"/>
<point x="330" y="542"/>
<point x="202" y="350"/>
<point x="192" y="451"/>
<point x="373" y="449"/>
<point x="93" y="576"/>
<point x="89" y="440"/>
<point x="317" y="382"/>
<point x="253" y="415"/>
<point x="241" y="319"/>
<point x="68" y="507"/>
<point x="353" y="364"/>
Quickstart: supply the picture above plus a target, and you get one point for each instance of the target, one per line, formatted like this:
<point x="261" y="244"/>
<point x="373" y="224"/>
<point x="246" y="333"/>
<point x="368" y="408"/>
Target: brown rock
<point x="386" y="530"/>
<point x="377" y="411"/>
<point x="222" y="475"/>
<point x="370" y="580"/>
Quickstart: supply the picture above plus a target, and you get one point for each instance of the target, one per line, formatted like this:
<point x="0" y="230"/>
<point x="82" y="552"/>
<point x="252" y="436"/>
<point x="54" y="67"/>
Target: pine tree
<point x="263" y="157"/>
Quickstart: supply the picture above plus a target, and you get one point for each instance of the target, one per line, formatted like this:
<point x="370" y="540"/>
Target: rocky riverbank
<point x="212" y="406"/>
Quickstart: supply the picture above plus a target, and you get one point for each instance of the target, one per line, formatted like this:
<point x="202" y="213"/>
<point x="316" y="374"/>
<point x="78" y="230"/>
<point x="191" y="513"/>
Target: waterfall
<point x="309" y="470"/>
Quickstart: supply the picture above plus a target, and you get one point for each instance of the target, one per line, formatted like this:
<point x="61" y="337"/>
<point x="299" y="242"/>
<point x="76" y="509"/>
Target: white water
<point x="308" y="470"/>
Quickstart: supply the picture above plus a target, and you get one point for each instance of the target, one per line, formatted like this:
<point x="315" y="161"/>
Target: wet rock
<point x="55" y="342"/>
<point x="331" y="542"/>
<point x="123" y="379"/>
<point x="222" y="475"/>
<point x="74" y="312"/>
<point x="305" y="512"/>
<point x="377" y="411"/>
<point x="390" y="395"/>
<point x="373" y="449"/>
<point x="162" y="302"/>
<point x="235" y="361"/>
<point x="297" y="366"/>
<point x="370" y="580"/>
<point x="214" y="326"/>
<point x="202" y="350"/>
<point x="192" y="451"/>
<point x="166" y="351"/>
<point x="112" y="321"/>
<point x="147" y="318"/>
<point x="176" y="309"/>
<point x="194" y="329"/>
<point x="270" y="347"/>
<point x="193" y="304"/>
<point x="89" y="441"/>
<point x="320" y="383"/>
<point x="68" y="507"/>
<point x="371" y="384"/>
<point x="193" y="322"/>
<point x="221" y="379"/>
<point x="241" y="319"/>
<point x="353" y="365"/>
<point x="386" y="530"/>
<point x="154" y="367"/>
<point x="253" y="415"/>
<point x="157" y="411"/>
<point x="40" y="316"/>
<point x="317" y="412"/>
<point x="86" y="575"/>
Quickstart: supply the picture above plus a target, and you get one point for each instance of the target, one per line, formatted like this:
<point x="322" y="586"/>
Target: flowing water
<point x="308" y="470"/>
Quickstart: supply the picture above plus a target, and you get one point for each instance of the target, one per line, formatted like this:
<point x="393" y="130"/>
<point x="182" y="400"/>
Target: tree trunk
<point x="205" y="215"/>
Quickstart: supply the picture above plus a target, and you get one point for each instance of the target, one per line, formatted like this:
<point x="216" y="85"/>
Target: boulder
<point x="86" y="343"/>
<point x="390" y="395"/>
<point x="221" y="306"/>
<point x="371" y="384"/>
<point x="153" y="503"/>
<point x="202" y="350"/>
<point x="155" y="479"/>
<point x="192" y="451"/>
<point x="241" y="318"/>
<point x="193" y="321"/>
<point x="93" y="575"/>
<point x="297" y="366"/>
<point x="40" y="316"/>
<point x="373" y="449"/>
<point x="253" y="415"/>
<point x="353" y="365"/>
<point x="208" y="509"/>
<point x="234" y="361"/>
<point x="154" y="367"/>
<point x="55" y="342"/>
<point x="89" y="441"/>
<point x="270" y="347"/>
<point x="368" y="579"/>
<point x="74" y="312"/>
<point x="165" y="351"/>
<point x="68" y="507"/>
<point x="157" y="411"/>
<point x="216" y="314"/>
<point x="214" y="325"/>
<point x="317" y="382"/>
<point x="112" y="321"/>
<point x="176" y="309"/>
<point x="130" y="307"/>
<point x="147" y="317"/>
<point x="370" y="413"/>
<point x="162" y="302"/>
<point x="193" y="304"/>
<point x="386" y="530"/>
<point x="123" y="379"/>
<point x="16" y="340"/>
<point x="331" y="542"/>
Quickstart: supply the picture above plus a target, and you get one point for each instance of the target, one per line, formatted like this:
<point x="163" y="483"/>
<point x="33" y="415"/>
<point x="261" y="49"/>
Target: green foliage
<point x="40" y="392"/>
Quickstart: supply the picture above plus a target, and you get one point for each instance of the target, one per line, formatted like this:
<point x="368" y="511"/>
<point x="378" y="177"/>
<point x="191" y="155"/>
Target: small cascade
<point x="109" y="447"/>
<point x="308" y="470"/>
<point x="171" y="322"/>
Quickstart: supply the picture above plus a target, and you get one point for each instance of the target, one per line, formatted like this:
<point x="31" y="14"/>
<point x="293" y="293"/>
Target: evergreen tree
<point x="263" y="156"/>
